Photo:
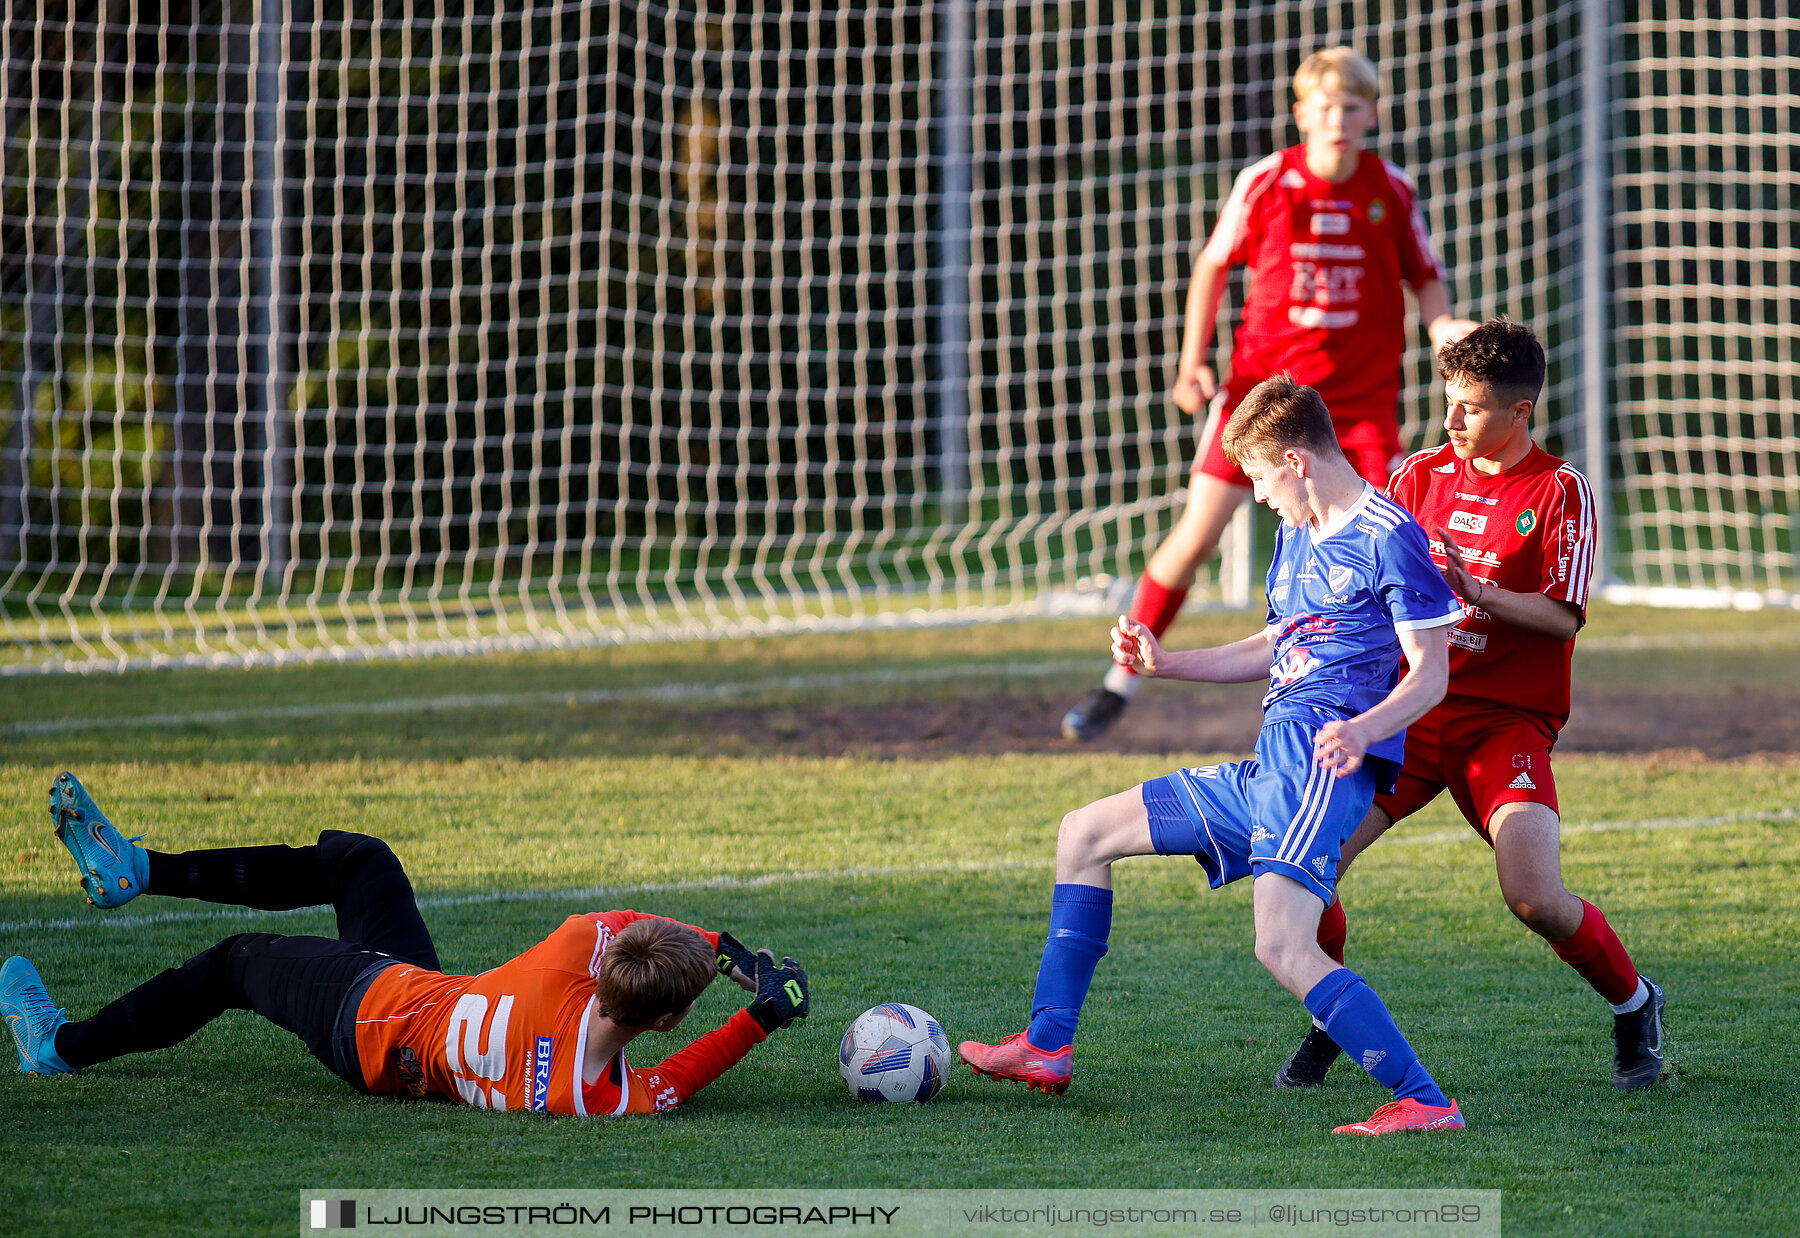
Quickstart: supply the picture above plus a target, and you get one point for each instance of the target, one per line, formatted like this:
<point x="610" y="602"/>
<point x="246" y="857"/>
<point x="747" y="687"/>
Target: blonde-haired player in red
<point x="546" y="1030"/>
<point x="1329" y="236"/>
<point x="1513" y="533"/>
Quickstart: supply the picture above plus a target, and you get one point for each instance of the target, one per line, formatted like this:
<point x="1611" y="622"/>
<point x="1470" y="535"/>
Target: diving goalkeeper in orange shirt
<point x="547" y="1030"/>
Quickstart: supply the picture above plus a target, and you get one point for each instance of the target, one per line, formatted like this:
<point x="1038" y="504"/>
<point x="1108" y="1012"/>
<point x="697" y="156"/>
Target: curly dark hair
<point x="1501" y="355"/>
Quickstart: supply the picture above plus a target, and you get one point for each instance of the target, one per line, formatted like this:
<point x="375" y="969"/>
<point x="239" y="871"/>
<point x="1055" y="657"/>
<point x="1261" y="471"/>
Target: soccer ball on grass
<point x="894" y="1052"/>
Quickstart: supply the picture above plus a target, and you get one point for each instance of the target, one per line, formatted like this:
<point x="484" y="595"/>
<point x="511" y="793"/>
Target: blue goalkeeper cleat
<point x="114" y="870"/>
<point x="32" y="1018"/>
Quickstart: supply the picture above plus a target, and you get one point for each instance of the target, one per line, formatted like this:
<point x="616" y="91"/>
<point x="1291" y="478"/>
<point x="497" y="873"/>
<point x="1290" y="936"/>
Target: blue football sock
<point x="1080" y="923"/>
<point x="1355" y="1017"/>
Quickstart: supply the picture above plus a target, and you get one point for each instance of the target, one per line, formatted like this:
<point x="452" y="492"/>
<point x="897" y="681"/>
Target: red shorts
<point x="1367" y="432"/>
<point x="1486" y="755"/>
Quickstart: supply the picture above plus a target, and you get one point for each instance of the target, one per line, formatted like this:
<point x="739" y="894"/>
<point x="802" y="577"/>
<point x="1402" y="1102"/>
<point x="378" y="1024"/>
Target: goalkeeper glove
<point x="735" y="956"/>
<point x="781" y="995"/>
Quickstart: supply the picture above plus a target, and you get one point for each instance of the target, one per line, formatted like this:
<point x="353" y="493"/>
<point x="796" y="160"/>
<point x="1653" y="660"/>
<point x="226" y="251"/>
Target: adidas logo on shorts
<point x="1523" y="782"/>
<point x="1318" y="864"/>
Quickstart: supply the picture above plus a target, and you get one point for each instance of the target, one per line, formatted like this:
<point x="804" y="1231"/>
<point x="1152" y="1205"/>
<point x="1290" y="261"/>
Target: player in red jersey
<point x="1514" y="536"/>
<point x="1329" y="236"/>
<point x="545" y="1031"/>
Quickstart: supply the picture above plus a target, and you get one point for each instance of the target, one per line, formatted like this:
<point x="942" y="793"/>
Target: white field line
<point x="1600" y="827"/>
<point x="590" y="894"/>
<point x="1686" y="640"/>
<point x="598" y="894"/>
<point x="711" y="691"/>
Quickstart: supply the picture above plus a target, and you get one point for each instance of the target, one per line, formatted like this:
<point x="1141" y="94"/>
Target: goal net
<point x="339" y="330"/>
<point x="1705" y="236"/>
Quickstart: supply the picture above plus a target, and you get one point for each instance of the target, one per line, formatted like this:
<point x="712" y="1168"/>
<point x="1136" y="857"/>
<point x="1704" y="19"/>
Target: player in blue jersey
<point x="1352" y="590"/>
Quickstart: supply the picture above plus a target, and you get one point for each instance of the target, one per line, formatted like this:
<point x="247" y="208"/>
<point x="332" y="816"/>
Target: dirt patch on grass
<point x="1719" y="726"/>
<point x="1170" y="718"/>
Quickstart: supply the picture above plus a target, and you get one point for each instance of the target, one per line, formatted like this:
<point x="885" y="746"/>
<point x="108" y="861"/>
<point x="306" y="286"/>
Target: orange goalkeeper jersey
<point x="515" y="1037"/>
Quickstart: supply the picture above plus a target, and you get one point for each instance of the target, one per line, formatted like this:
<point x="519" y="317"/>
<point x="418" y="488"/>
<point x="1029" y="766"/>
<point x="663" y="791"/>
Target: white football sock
<point x="1122" y="681"/>
<point x="1635" y="1001"/>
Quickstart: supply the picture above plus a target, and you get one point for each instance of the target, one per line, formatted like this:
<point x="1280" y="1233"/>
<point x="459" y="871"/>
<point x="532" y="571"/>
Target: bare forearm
<point x="1205" y="290"/>
<point x="1534" y="612"/>
<point x="1341" y="745"/>
<point x="1440" y="322"/>
<point x="1412" y="698"/>
<point x="1434" y="302"/>
<point x="1242" y="661"/>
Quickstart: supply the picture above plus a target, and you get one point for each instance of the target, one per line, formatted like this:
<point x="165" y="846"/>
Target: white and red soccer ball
<point x="894" y="1052"/>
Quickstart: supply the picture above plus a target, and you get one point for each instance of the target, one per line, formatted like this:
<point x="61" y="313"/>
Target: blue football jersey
<point x="1337" y="596"/>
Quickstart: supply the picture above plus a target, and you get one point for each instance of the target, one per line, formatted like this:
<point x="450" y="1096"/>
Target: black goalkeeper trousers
<point x="299" y="983"/>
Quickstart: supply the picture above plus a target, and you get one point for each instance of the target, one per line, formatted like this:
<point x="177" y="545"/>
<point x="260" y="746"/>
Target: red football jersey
<point x="1529" y="529"/>
<point x="516" y="1037"/>
<point x="1326" y="263"/>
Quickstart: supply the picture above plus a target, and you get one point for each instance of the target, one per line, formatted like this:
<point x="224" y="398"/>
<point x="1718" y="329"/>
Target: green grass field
<point x="917" y="880"/>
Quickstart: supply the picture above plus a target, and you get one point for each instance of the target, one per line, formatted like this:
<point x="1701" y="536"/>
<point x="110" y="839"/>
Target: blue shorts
<point x="1277" y="813"/>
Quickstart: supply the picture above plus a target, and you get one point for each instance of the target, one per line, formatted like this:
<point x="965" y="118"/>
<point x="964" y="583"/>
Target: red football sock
<point x="1156" y="606"/>
<point x="1334" y="928"/>
<point x="1595" y="952"/>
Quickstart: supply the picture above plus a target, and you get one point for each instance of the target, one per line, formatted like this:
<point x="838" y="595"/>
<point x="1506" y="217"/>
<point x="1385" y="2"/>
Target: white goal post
<point x="332" y="330"/>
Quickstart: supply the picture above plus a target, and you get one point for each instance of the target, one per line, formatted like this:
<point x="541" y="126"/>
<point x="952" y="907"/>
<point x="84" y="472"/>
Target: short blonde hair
<point x="1348" y="68"/>
<point x="1279" y="413"/>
